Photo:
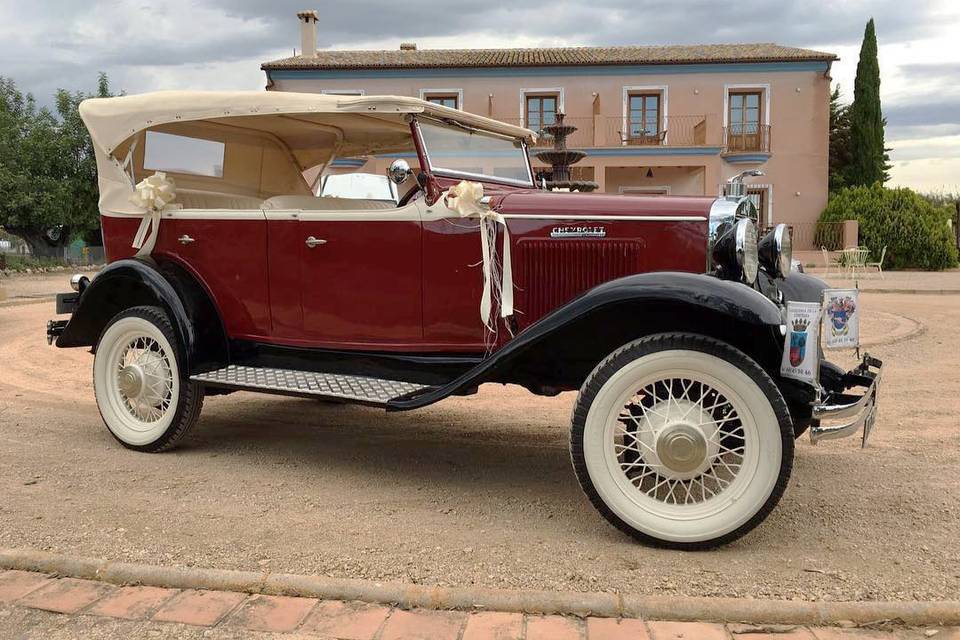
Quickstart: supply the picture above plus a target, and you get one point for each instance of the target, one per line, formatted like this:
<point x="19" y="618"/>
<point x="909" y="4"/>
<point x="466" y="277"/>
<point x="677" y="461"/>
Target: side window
<point x="358" y="186"/>
<point x="182" y="154"/>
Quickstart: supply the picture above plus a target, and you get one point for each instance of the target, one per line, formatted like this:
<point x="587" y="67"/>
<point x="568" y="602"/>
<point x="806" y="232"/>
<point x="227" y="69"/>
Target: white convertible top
<point x="111" y="121"/>
<point x="271" y="139"/>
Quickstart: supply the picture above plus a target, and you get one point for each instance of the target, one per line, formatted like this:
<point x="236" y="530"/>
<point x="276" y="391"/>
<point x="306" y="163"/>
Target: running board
<point x="309" y="384"/>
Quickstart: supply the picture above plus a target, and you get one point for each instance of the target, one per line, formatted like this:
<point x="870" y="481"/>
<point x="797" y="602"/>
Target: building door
<point x="644" y="114"/>
<point x="743" y="121"/>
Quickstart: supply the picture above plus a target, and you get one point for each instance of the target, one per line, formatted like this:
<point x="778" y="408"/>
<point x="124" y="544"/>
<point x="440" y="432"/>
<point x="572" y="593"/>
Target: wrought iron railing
<point x="745" y="138"/>
<point x="673" y="131"/>
<point x="617" y="131"/>
<point x="582" y="137"/>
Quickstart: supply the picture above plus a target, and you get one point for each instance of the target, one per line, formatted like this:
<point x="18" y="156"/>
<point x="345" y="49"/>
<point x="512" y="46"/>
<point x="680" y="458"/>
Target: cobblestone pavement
<point x="33" y="605"/>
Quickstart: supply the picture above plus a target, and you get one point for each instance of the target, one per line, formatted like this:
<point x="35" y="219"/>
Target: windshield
<point x="461" y="151"/>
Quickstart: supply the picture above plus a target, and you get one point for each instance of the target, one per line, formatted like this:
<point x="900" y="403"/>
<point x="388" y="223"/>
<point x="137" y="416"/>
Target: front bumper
<point x="849" y="413"/>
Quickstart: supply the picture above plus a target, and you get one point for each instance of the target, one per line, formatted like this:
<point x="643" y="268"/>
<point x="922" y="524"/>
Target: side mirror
<point x="399" y="171"/>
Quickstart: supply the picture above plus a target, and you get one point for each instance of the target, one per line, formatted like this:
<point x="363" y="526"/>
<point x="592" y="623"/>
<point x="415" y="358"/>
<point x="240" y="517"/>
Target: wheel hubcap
<point x="130" y="381"/>
<point x="681" y="447"/>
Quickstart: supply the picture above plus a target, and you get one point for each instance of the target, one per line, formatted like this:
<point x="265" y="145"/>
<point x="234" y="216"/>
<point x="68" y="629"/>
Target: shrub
<point x="914" y="230"/>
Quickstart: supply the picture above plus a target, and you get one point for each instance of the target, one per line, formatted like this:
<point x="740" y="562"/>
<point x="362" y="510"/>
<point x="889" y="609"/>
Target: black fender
<point x="562" y="348"/>
<point x="144" y="281"/>
<point x="801" y="287"/>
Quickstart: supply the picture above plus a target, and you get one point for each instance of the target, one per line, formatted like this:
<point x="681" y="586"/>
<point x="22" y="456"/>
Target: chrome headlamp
<point x="776" y="251"/>
<point x="735" y="251"/>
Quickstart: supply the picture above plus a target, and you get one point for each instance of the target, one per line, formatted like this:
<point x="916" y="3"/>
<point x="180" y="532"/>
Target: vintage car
<point x="667" y="314"/>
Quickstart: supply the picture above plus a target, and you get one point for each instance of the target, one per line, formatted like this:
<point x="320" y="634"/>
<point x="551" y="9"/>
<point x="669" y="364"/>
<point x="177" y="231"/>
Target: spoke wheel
<point x="144" y="400"/>
<point x="682" y="441"/>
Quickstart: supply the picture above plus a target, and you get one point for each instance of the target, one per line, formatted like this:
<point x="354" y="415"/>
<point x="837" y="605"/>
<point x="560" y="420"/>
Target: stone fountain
<point x="560" y="158"/>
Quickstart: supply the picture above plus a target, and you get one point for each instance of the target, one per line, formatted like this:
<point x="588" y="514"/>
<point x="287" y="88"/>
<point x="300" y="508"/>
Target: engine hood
<point x="602" y="205"/>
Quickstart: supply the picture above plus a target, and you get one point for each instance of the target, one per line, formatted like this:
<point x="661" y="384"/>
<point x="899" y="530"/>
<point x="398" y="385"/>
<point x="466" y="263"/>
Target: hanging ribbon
<point x="153" y="194"/>
<point x="464" y="198"/>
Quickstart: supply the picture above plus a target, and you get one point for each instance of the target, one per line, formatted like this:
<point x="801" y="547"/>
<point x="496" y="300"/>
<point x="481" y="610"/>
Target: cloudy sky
<point x="219" y="44"/>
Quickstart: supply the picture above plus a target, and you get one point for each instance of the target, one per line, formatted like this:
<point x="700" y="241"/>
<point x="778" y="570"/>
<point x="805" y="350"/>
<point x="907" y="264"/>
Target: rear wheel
<point x="144" y="396"/>
<point x="682" y="441"/>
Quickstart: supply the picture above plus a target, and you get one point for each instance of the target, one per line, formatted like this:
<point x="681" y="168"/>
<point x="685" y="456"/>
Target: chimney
<point x="408" y="46"/>
<point x="308" y="33"/>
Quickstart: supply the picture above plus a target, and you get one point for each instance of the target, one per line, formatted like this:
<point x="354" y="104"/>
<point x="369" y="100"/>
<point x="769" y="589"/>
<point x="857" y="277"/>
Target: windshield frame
<point x="480" y="177"/>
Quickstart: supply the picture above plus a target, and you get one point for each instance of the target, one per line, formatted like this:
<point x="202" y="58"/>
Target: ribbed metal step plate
<point x="308" y="383"/>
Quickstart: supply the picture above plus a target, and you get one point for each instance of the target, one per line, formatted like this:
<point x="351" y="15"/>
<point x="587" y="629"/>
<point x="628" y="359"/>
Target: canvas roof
<point x="111" y="121"/>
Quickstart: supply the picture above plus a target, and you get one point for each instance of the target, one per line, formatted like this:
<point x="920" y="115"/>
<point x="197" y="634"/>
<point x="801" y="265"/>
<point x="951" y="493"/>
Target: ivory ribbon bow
<point x="154" y="194"/>
<point x="464" y="198"/>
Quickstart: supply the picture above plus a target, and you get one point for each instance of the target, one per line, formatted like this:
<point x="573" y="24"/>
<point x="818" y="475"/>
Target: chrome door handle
<point x="312" y="242"/>
<point x="184" y="239"/>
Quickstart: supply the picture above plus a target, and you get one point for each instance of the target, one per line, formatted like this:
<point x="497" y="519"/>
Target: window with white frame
<point x="644" y="115"/>
<point x="539" y="107"/>
<point x="746" y="117"/>
<point x="452" y="98"/>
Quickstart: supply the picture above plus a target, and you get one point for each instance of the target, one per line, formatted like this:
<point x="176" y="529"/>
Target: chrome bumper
<point x="852" y="412"/>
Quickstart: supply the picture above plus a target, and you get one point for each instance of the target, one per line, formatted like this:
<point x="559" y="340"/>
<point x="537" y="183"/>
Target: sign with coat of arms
<point x="841" y="318"/>
<point x="802" y="341"/>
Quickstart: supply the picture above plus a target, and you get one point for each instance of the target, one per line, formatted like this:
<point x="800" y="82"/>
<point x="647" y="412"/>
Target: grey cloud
<point x="925" y="112"/>
<point x="800" y="22"/>
<point x="943" y="71"/>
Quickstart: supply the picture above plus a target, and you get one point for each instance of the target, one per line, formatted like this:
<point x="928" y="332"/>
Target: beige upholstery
<point x="197" y="199"/>
<point x="310" y="203"/>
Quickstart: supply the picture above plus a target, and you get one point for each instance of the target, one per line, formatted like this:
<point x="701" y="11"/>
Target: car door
<point x="453" y="280"/>
<point x="358" y="277"/>
<point x="227" y="251"/>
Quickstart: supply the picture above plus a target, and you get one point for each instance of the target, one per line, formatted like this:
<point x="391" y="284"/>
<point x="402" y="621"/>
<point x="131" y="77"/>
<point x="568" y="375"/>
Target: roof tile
<point x="565" y="56"/>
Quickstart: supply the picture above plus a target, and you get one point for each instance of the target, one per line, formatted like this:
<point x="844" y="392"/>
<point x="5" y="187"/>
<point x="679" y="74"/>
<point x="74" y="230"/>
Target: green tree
<point x="48" y="183"/>
<point x="915" y="232"/>
<point x="868" y="162"/>
<point x="840" y="150"/>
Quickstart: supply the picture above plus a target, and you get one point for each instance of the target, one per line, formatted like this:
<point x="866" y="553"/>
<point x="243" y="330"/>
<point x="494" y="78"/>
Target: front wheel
<point x="144" y="395"/>
<point x="682" y="441"/>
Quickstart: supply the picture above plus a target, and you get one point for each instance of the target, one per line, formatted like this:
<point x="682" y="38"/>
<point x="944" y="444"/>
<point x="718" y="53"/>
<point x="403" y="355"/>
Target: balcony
<point x="747" y="141"/>
<point x="617" y="131"/>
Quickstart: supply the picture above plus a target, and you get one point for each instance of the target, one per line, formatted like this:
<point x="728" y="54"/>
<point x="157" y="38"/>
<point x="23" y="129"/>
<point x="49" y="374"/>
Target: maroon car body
<point x="227" y="273"/>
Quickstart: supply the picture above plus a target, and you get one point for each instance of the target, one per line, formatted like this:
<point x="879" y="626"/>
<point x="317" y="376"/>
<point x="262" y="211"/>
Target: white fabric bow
<point x="464" y="198"/>
<point x="154" y="194"/>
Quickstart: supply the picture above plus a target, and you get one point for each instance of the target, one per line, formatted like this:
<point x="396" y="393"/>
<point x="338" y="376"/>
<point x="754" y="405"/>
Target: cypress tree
<point x="839" y="141"/>
<point x="867" y="163"/>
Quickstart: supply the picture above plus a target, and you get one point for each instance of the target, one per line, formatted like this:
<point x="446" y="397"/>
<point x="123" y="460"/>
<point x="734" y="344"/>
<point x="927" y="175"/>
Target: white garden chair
<point x="879" y="263"/>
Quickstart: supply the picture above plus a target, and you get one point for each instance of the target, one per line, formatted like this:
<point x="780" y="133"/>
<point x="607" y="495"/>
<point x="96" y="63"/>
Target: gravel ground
<point x="474" y="491"/>
<point x="33" y="285"/>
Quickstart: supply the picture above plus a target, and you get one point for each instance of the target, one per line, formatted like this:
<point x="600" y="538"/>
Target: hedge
<point x="915" y="232"/>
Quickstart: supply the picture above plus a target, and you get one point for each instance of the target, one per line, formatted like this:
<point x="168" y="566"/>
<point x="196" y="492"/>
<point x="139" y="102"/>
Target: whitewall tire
<point x="144" y="396"/>
<point x="682" y="441"/>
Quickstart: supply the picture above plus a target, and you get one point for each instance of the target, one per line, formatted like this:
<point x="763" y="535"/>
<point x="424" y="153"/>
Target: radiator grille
<point x="549" y="273"/>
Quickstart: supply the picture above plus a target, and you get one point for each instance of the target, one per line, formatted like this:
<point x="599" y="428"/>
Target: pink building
<point x="675" y="120"/>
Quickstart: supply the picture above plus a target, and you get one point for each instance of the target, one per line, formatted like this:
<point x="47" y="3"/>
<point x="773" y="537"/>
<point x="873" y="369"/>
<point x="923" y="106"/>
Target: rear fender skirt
<point x="144" y="281"/>
<point x="561" y="349"/>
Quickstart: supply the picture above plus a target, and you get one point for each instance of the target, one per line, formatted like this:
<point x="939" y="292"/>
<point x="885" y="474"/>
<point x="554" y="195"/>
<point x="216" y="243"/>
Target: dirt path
<point x="476" y="490"/>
